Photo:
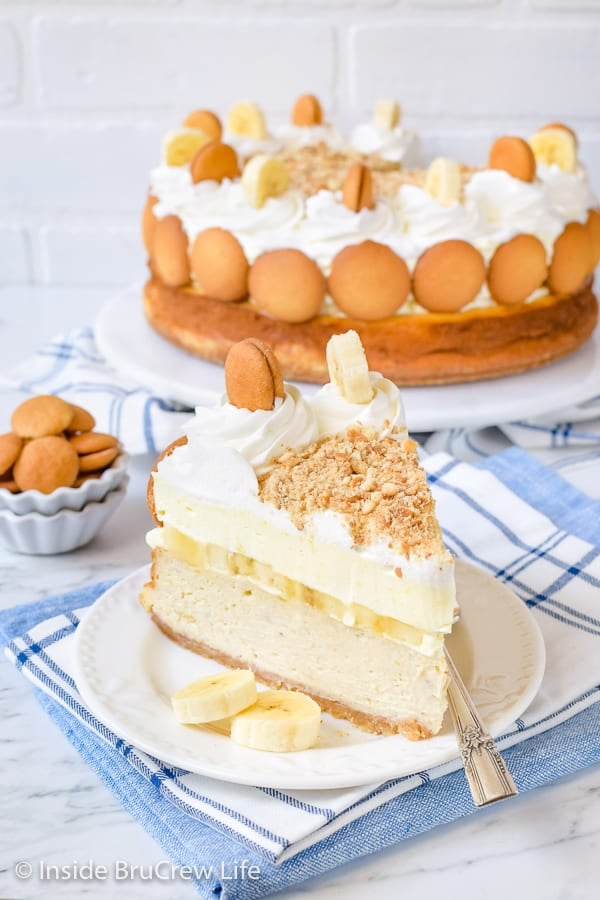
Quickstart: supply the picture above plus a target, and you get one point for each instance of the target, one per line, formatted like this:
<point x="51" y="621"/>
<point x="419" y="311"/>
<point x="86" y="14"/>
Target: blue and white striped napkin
<point x="72" y="366"/>
<point x="511" y="516"/>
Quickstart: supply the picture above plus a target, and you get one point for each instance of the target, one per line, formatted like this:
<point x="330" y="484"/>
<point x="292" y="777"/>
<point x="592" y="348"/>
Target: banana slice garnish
<point x="348" y="367"/>
<point x="279" y="721"/>
<point x="387" y="114"/>
<point x="247" y="120"/>
<point x="214" y="697"/>
<point x="181" y="145"/>
<point x="555" y="146"/>
<point x="263" y="177"/>
<point x="443" y="181"/>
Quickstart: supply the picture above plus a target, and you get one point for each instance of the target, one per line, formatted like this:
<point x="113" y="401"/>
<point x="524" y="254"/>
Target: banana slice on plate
<point x="443" y="181"/>
<point x="348" y="367"/>
<point x="214" y="697"/>
<point x="247" y="120"/>
<point x="180" y="146"/>
<point x="263" y="177"/>
<point x="387" y="114"/>
<point x="279" y="721"/>
<point x="555" y="146"/>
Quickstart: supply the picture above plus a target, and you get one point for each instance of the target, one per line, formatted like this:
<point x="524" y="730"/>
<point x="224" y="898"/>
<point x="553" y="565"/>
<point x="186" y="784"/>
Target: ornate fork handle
<point x="488" y="777"/>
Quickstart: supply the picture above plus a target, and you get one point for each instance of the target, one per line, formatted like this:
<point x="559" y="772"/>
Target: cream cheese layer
<point x="417" y="591"/>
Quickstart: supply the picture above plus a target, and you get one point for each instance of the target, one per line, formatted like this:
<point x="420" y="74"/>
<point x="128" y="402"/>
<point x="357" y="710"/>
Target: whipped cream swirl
<point x="295" y="137"/>
<point x="501" y="206"/>
<point x="423" y="221"/>
<point x="384" y="412"/>
<point x="329" y="226"/>
<point x="211" y="204"/>
<point x="394" y="144"/>
<point x="567" y="193"/>
<point x="260" y="435"/>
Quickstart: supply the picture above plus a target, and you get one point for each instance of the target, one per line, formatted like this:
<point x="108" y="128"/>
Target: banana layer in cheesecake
<point x="211" y="558"/>
<point x="379" y="684"/>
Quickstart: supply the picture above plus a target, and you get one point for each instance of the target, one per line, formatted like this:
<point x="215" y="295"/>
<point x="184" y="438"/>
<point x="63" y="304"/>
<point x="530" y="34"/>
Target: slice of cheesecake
<point x="299" y="540"/>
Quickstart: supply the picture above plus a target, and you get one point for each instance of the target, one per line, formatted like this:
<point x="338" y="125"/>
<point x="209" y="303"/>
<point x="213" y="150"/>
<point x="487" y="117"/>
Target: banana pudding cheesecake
<point x="297" y="538"/>
<point x="448" y="273"/>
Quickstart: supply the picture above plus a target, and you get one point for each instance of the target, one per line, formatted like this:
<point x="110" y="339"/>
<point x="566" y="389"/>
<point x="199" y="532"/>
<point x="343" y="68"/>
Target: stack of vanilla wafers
<point x="52" y="444"/>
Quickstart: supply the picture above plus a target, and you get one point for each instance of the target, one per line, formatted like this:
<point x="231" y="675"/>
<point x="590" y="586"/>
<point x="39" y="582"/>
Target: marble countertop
<point x="54" y="808"/>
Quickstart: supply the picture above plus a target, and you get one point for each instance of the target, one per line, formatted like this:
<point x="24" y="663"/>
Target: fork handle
<point x="488" y="777"/>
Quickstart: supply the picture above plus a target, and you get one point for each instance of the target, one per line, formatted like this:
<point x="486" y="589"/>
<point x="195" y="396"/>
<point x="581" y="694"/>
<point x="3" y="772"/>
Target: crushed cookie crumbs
<point x="317" y="167"/>
<point x="375" y="483"/>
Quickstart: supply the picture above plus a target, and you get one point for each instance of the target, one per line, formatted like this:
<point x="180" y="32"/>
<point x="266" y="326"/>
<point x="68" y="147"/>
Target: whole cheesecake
<point x="448" y="274"/>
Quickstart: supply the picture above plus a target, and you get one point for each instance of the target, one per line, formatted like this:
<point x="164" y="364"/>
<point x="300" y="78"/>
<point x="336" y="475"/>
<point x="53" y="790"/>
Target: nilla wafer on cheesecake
<point x="219" y="265"/>
<point x="448" y="275"/>
<point x="253" y="376"/>
<point x="204" y="120"/>
<point x="214" y="162"/>
<point x="513" y="155"/>
<point x="287" y="285"/>
<point x="517" y="269"/>
<point x="369" y="281"/>
<point x="170" y="251"/>
<point x="571" y="261"/>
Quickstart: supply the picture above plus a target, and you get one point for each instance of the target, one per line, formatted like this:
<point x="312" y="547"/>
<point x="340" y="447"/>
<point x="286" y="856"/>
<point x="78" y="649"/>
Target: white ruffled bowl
<point x="36" y="534"/>
<point x="91" y="491"/>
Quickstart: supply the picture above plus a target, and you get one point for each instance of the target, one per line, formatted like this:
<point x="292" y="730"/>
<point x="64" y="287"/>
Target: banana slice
<point x="348" y="367"/>
<point x="247" y="120"/>
<point x="279" y="721"/>
<point x="181" y="145"/>
<point x="555" y="146"/>
<point x="387" y="114"/>
<point x="263" y="177"/>
<point x="443" y="181"/>
<point x="214" y="697"/>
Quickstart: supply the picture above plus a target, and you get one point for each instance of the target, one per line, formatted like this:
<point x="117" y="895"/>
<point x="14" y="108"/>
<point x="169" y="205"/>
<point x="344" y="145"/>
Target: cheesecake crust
<point x="411" y="349"/>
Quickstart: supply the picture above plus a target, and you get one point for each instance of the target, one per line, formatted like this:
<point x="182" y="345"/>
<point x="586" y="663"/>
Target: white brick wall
<point x="87" y="87"/>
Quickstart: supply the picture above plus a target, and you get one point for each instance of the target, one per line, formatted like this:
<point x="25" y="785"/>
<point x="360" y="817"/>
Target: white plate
<point x="133" y="348"/>
<point x="127" y="670"/>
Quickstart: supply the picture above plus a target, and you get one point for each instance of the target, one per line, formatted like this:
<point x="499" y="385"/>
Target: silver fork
<point x="489" y="779"/>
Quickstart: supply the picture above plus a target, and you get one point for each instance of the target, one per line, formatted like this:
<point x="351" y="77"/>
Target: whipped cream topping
<point x="258" y="436"/>
<point x="384" y="412"/>
<point x="245" y="147"/>
<point x="328" y="226"/>
<point x="294" y="137"/>
<point x="500" y="206"/>
<point x="567" y="193"/>
<point x="211" y="204"/>
<point x="496" y="207"/>
<point x="393" y="144"/>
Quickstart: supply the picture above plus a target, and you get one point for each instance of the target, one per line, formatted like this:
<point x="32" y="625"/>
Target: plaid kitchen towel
<point x="511" y="516"/>
<point x="72" y="366"/>
<point x="562" y="438"/>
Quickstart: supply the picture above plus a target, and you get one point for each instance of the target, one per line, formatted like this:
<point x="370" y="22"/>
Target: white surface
<point x="543" y="844"/>
<point x="127" y="671"/>
<point x="127" y="341"/>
